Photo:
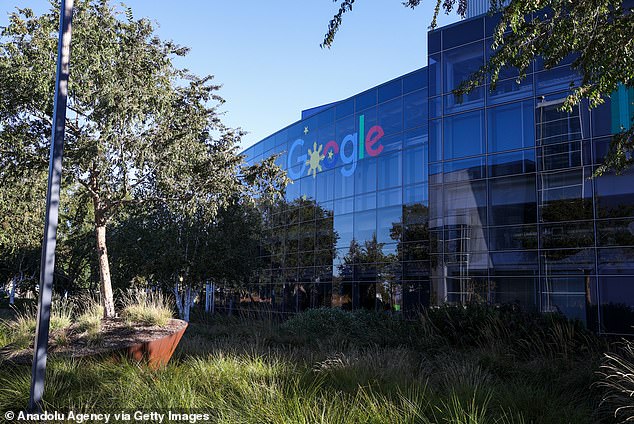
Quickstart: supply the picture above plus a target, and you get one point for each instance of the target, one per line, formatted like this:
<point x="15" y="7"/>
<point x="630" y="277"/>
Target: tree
<point x="597" y="34"/>
<point x="21" y="232"/>
<point x="139" y="130"/>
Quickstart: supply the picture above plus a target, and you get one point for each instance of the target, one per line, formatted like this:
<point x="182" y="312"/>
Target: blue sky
<point x="266" y="54"/>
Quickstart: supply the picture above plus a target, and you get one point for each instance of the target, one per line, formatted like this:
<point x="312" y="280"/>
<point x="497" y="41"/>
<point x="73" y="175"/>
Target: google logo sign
<point x="353" y="147"/>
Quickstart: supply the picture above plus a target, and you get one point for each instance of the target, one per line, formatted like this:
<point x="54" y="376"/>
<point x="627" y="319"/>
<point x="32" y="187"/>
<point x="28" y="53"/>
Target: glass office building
<point x="403" y="197"/>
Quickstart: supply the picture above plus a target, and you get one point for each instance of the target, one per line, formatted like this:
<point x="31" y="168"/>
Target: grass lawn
<point x="331" y="366"/>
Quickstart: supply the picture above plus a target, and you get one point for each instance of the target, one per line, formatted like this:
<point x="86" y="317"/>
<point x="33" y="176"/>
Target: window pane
<point x="365" y="100"/>
<point x="414" y="165"/>
<point x="390" y="172"/>
<point x="415" y="81"/>
<point x="465" y="169"/>
<point x="391" y="116"/>
<point x="466" y="32"/>
<point x="519" y="162"/>
<point x="512" y="200"/>
<point x="387" y="218"/>
<point x="523" y="237"/>
<point x="615" y="195"/>
<point x="509" y="90"/>
<point x="558" y="79"/>
<point x="415" y="109"/>
<point x="510" y="127"/>
<point x="460" y="63"/>
<point x="464" y="135"/>
<point x="390" y="90"/>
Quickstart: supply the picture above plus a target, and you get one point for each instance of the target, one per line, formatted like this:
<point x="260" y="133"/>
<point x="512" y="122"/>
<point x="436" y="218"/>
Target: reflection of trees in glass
<point x="298" y="243"/>
<point x="412" y="234"/>
<point x="374" y="273"/>
<point x="568" y="238"/>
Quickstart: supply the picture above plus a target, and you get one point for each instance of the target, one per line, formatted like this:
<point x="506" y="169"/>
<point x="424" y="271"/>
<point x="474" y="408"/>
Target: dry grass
<point x="147" y="308"/>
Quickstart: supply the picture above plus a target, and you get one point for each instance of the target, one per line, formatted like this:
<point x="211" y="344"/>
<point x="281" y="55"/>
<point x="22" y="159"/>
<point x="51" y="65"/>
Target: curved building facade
<point x="404" y="197"/>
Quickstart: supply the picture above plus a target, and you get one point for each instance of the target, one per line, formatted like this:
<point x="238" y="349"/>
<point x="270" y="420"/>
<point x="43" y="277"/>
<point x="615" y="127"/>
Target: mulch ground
<point x="116" y="335"/>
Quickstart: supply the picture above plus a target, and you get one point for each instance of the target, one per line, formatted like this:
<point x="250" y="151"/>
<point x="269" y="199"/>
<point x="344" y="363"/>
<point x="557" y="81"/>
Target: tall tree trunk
<point x="105" y="286"/>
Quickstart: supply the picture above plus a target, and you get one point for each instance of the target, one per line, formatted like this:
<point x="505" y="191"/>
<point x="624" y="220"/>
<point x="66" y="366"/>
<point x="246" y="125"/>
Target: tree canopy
<point x="596" y="36"/>
<point x="139" y="130"/>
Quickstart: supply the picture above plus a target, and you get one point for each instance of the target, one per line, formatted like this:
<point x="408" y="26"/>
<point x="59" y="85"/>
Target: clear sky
<point x="266" y="54"/>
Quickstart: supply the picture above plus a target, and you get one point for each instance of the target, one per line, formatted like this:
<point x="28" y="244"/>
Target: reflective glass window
<point x="617" y="303"/>
<point x="365" y="99"/>
<point x="512" y="200"/>
<point x="568" y="262"/>
<point x="509" y="90"/>
<point x="343" y="206"/>
<point x="415" y="81"/>
<point x="414" y="165"/>
<point x="435" y="140"/>
<point x="511" y="126"/>
<point x="514" y="290"/>
<point x="344" y="108"/>
<point x="553" y="80"/>
<point x="616" y="261"/>
<point x="615" y="195"/>
<point x="515" y="263"/>
<point x="614" y="114"/>
<point x="364" y="202"/>
<point x="565" y="295"/>
<point x="391" y="143"/>
<point x="467" y="201"/>
<point x="434" y="41"/>
<point x="460" y="63"/>
<point x="390" y="90"/>
<point x="555" y="125"/>
<point x="463" y="135"/>
<point x="518" y="162"/>
<point x="390" y="172"/>
<point x="307" y="187"/>
<point x="415" y="194"/>
<point x="389" y="197"/>
<point x="344" y="185"/>
<point x="435" y="107"/>
<point x="344" y="229"/>
<point x="416" y="137"/>
<point x="370" y="119"/>
<point x="435" y="74"/>
<point x="326" y="117"/>
<point x="325" y="185"/>
<point x="387" y="219"/>
<point x="472" y="100"/>
<point x="391" y="116"/>
<point x="566" y="234"/>
<point x="615" y="232"/>
<point x="365" y="176"/>
<point x="521" y="237"/>
<point x="565" y="196"/>
<point x="465" y="32"/>
<point x="560" y="156"/>
<point x="364" y="225"/>
<point x="465" y="169"/>
<point x="415" y="109"/>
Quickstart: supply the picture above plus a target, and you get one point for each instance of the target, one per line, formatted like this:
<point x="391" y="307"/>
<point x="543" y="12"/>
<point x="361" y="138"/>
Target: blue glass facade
<point x="404" y="197"/>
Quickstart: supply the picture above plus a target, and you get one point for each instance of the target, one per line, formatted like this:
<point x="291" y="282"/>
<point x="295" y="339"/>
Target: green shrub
<point x="147" y="308"/>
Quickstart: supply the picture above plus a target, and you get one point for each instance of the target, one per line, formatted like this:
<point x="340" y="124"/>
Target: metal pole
<point x="47" y="265"/>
